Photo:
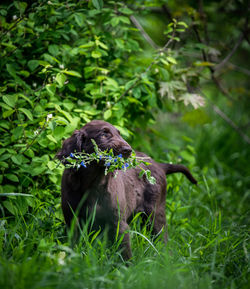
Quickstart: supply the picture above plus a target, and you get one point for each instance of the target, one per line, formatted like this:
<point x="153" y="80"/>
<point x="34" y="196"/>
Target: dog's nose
<point x="126" y="151"/>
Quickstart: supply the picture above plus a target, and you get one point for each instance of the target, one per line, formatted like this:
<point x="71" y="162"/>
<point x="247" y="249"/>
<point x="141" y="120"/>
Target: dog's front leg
<point x="126" y="248"/>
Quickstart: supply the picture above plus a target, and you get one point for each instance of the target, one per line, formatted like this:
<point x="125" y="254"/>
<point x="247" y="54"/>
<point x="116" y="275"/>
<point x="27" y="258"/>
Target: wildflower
<point x="110" y="158"/>
<point x="123" y="167"/>
<point x="49" y="116"/>
<point x="36" y="132"/>
<point x="120" y="156"/>
<point x="107" y="164"/>
<point x="14" y="17"/>
<point x="100" y="156"/>
<point x="115" y="160"/>
<point x="126" y="165"/>
<point x="61" y="66"/>
<point x="71" y="155"/>
<point x="83" y="164"/>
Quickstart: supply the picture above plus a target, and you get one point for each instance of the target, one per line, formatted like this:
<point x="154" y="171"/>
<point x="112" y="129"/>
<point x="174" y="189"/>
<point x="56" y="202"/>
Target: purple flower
<point x="123" y="167"/>
<point x="110" y="158"/>
<point x="83" y="164"/>
<point x="126" y="165"/>
<point x="107" y="164"/>
<point x="120" y="156"/>
<point x="100" y="156"/>
<point x="71" y="155"/>
<point x="115" y="160"/>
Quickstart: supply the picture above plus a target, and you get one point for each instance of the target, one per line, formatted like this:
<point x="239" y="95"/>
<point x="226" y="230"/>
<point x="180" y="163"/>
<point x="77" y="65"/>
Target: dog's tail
<point x="171" y="169"/>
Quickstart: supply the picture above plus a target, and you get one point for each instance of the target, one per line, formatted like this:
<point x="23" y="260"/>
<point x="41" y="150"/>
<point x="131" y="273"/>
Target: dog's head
<point x="103" y="133"/>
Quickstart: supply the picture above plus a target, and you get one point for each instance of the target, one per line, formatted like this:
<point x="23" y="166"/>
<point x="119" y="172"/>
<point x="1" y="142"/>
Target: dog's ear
<point x="73" y="144"/>
<point x="80" y="139"/>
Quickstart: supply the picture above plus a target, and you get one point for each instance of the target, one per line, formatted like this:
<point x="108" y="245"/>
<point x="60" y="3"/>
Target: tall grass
<point x="205" y="249"/>
<point x="207" y="225"/>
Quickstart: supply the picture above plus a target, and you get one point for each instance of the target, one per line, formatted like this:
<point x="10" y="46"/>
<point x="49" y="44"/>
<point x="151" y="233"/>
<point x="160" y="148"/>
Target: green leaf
<point x="53" y="49"/>
<point x="50" y="137"/>
<point x="10" y="207"/>
<point x="2" y="150"/>
<point x="142" y="172"/>
<point x="125" y="10"/>
<point x="21" y="6"/>
<point x="99" y="43"/>
<point x="171" y="60"/>
<point x="96" y="54"/>
<point x="33" y="64"/>
<point x="12" y="178"/>
<point x="87" y="45"/>
<point x="37" y="171"/>
<point x="17" y="159"/>
<point x="11" y="100"/>
<point x="129" y="84"/>
<point x="203" y="63"/>
<point x="17" y="132"/>
<point x="60" y="79"/>
<point x="5" y="106"/>
<point x="98" y="4"/>
<point x="188" y="157"/>
<point x="124" y="19"/>
<point x="51" y="88"/>
<point x="27" y="113"/>
<point x="11" y="69"/>
<point x="51" y="165"/>
<point x="80" y="19"/>
<point x="72" y="72"/>
<point x="4" y="165"/>
<point x="152" y="180"/>
<point x="115" y="21"/>
<point x="44" y="63"/>
<point x="107" y="114"/>
<point x="65" y="113"/>
<point x="182" y="24"/>
<point x="26" y="98"/>
<point x="8" y="113"/>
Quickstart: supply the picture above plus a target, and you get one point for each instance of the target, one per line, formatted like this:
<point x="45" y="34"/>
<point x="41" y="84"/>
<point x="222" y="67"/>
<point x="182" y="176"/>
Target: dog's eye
<point x="105" y="133"/>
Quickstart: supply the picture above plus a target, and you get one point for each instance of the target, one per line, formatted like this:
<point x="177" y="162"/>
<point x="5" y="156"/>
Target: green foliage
<point x="63" y="65"/>
<point x="66" y="63"/>
<point x="113" y="163"/>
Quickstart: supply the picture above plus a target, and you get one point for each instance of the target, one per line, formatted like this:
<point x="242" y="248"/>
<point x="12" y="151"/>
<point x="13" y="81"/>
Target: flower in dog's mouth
<point x="112" y="163"/>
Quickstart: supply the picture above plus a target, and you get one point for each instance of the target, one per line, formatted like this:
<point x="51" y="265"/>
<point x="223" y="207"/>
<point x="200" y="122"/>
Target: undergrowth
<point x="205" y="249"/>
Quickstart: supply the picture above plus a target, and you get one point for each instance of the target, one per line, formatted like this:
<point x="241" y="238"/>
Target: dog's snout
<point x="126" y="151"/>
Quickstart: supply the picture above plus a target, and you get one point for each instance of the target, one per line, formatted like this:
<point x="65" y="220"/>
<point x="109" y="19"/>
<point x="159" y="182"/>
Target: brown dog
<point x="115" y="200"/>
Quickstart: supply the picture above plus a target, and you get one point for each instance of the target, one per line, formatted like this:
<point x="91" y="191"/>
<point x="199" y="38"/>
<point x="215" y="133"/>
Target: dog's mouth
<point x="125" y="152"/>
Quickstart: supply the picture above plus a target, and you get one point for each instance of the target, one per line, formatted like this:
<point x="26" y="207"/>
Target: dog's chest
<point x="99" y="203"/>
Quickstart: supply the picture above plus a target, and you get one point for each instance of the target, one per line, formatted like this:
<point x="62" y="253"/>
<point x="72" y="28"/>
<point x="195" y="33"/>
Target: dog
<point x="115" y="200"/>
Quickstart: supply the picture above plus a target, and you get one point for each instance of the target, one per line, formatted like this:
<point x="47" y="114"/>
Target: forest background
<point x="173" y="76"/>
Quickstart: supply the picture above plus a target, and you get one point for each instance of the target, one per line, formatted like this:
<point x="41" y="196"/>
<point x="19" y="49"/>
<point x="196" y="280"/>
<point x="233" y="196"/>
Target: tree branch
<point x="143" y="32"/>
<point x="238" y="68"/>
<point x="231" y="123"/>
<point x="139" y="77"/>
<point x="226" y="59"/>
<point x="218" y="84"/>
